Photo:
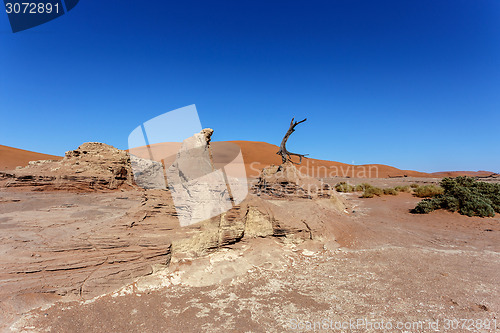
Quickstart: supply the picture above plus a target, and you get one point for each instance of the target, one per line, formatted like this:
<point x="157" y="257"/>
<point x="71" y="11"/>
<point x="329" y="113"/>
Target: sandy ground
<point x="393" y="272"/>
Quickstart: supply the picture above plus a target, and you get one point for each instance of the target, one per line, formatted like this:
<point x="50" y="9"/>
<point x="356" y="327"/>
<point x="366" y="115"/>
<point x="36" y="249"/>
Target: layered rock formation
<point x="285" y="181"/>
<point x="76" y="244"/>
<point x="89" y="244"/>
<point x="148" y="174"/>
<point x="82" y="245"/>
<point x="199" y="189"/>
<point x="93" y="166"/>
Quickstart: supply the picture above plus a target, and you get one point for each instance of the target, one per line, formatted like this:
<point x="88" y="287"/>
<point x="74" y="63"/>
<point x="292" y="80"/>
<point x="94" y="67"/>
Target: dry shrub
<point x="372" y="191"/>
<point x="344" y="187"/>
<point x="428" y="191"/>
<point x="405" y="188"/>
<point x="390" y="191"/>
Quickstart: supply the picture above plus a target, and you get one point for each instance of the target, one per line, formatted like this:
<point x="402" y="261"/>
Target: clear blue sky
<point x="413" y="84"/>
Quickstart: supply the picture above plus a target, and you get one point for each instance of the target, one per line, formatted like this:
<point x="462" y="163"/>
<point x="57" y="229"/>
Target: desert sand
<point x="10" y="157"/>
<point x="84" y="249"/>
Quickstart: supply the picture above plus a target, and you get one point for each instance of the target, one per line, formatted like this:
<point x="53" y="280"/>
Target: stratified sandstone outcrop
<point x="148" y="174"/>
<point x="285" y="181"/>
<point x="93" y="166"/>
<point x="199" y="189"/>
<point x="87" y="244"/>
<point x="78" y="244"/>
<point x="307" y="201"/>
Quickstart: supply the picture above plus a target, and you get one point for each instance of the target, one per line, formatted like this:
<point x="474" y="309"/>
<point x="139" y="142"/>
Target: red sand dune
<point x="10" y="157"/>
<point x="256" y="155"/>
<point x="480" y="173"/>
<point x="260" y="154"/>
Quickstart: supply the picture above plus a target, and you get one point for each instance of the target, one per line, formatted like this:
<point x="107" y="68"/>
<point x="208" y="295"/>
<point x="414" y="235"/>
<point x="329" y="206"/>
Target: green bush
<point x="414" y="185"/>
<point x="344" y="187"/>
<point x="390" y="191"/>
<point x="405" y="188"/>
<point x="428" y="191"/>
<point x="426" y="206"/>
<point x="465" y="195"/>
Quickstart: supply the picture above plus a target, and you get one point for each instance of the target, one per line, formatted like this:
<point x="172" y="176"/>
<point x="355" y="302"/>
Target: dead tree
<point x="285" y="154"/>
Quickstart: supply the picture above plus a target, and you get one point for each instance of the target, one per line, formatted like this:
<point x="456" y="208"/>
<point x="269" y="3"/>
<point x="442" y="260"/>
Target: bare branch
<point x="285" y="154"/>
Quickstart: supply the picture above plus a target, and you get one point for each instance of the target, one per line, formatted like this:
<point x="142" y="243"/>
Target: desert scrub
<point x="428" y="191"/>
<point x="344" y="187"/>
<point x="414" y="185"/>
<point x="405" y="188"/>
<point x="362" y="187"/>
<point x="464" y="195"/>
<point x="372" y="191"/>
<point x="390" y="191"/>
<point x="369" y="191"/>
